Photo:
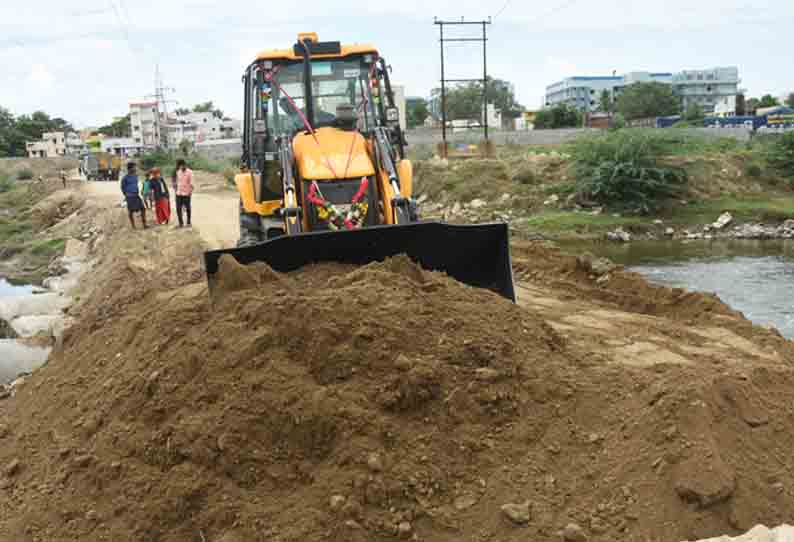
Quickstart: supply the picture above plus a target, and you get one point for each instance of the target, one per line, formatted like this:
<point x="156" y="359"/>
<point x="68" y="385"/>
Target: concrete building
<point x="706" y="88"/>
<point x="145" y="124"/>
<point x="584" y="92"/>
<point x="122" y="146"/>
<point x="200" y="127"/>
<point x="725" y="107"/>
<point x="53" y="144"/>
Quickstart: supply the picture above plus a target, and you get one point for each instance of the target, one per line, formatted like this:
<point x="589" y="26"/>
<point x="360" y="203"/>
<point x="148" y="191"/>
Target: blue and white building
<point x="707" y="88"/>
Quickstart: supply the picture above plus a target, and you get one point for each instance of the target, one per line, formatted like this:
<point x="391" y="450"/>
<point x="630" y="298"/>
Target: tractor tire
<point x="250" y="229"/>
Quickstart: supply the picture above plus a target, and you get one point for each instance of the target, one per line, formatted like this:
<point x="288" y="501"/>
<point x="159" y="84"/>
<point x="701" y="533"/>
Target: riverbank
<point x="533" y="189"/>
<point x="599" y="403"/>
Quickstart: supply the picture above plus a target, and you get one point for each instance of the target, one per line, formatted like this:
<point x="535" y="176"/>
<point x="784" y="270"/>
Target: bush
<point x="781" y="154"/>
<point x="753" y="171"/>
<point x="624" y="169"/>
<point x="25" y="174"/>
<point x="6" y="182"/>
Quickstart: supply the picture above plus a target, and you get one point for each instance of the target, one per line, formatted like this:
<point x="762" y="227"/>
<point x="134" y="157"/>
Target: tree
<point x="559" y="116"/>
<point x="118" y="128"/>
<point x="7" y="127"/>
<point x="464" y="101"/>
<point x="752" y="105"/>
<point x="694" y="113"/>
<point x="741" y="105"/>
<point x="15" y="132"/>
<point x="790" y="100"/>
<point x="416" y="113"/>
<point x="644" y="100"/>
<point x="208" y="107"/>
<point x="182" y="111"/>
<point x="605" y="101"/>
<point x="767" y="100"/>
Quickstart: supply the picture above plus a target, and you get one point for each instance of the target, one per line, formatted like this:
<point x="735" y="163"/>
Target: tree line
<point x="15" y="131"/>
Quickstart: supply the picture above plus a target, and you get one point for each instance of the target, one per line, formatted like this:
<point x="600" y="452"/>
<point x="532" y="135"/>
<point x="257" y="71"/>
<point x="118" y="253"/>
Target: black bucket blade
<point x="477" y="254"/>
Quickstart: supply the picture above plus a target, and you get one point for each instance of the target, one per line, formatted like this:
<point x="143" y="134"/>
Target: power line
<point x="123" y="26"/>
<point x="504" y="7"/>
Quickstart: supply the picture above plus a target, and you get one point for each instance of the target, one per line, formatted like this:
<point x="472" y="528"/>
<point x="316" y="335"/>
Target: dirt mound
<point x="372" y="403"/>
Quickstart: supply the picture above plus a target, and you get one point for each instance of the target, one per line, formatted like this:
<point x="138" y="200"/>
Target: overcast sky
<point x="85" y="60"/>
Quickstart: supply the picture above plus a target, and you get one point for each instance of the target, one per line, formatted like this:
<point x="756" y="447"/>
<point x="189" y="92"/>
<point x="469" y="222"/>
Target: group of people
<point x="156" y="194"/>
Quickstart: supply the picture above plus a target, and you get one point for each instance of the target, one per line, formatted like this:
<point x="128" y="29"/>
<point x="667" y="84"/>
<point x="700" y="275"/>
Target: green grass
<point x="47" y="247"/>
<point x="569" y="222"/>
<point x="747" y="209"/>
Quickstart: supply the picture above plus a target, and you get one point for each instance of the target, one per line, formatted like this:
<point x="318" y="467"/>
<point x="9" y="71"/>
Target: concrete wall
<point x="425" y="136"/>
<point x="220" y="150"/>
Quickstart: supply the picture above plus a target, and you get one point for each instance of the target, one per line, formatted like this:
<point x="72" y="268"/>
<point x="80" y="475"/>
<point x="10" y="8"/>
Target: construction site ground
<point x="387" y="402"/>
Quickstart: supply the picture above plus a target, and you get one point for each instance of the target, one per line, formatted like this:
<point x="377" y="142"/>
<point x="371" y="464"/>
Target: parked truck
<point x="101" y="166"/>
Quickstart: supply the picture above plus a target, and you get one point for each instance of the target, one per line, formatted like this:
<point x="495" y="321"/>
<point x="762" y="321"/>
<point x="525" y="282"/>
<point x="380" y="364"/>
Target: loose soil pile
<point x="373" y="403"/>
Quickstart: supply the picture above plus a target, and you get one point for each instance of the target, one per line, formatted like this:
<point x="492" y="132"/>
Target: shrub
<point x="624" y="169"/>
<point x="25" y="174"/>
<point x="781" y="154"/>
<point x="6" y="182"/>
<point x="753" y="171"/>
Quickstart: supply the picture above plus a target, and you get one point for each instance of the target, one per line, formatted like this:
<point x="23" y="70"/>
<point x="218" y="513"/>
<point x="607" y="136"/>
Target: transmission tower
<point x="160" y="95"/>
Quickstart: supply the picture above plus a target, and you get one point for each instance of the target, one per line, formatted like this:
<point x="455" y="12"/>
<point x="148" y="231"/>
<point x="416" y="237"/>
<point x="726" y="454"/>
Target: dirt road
<point x="384" y="402"/>
<point x="214" y="211"/>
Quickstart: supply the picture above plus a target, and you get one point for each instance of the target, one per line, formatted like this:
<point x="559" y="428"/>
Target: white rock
<point x="552" y="200"/>
<point x="669" y="232"/>
<point x="507" y="197"/>
<point x="477" y="203"/>
<point x="722" y="221"/>
<point x="30" y="305"/>
<point x="517" y="513"/>
<point x="28" y="326"/>
<point x="422" y="198"/>
<point x="658" y="222"/>
<point x="456" y="208"/>
<point x="619" y="235"/>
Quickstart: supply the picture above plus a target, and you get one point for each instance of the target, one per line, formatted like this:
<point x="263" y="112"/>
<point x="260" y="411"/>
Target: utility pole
<point x="444" y="80"/>
<point x="160" y="93"/>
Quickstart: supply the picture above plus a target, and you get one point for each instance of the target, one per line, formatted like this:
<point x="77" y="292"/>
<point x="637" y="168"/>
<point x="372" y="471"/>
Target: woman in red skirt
<point x="162" y="203"/>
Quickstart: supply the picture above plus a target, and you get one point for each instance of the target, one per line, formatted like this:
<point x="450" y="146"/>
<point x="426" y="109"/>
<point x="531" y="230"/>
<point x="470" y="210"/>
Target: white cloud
<point x="40" y="78"/>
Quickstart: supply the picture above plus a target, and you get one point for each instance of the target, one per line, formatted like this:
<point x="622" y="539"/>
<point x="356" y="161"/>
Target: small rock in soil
<point x="517" y="513"/>
<point x="374" y="462"/>
<point x="573" y="533"/>
<point x="465" y="501"/>
<point x="337" y="502"/>
<point x="404" y="529"/>
<point x="13" y="467"/>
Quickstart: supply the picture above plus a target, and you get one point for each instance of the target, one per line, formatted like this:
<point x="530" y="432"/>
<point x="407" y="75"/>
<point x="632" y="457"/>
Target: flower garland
<point x="326" y="211"/>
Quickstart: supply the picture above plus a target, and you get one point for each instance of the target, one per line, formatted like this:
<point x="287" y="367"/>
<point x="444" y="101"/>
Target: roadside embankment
<point x="651" y="185"/>
<point x="387" y="402"/>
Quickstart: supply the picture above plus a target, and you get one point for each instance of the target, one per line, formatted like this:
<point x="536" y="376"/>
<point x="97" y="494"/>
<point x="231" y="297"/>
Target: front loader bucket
<point x="478" y="254"/>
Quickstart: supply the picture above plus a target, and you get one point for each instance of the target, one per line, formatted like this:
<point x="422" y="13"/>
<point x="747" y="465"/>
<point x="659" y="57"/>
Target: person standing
<point x="63" y="178"/>
<point x="147" y="191"/>
<point x="184" y="189"/>
<point x="162" y="201"/>
<point x="129" y="187"/>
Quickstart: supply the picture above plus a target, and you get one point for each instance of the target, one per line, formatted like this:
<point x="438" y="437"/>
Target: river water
<point x="754" y="277"/>
<point x="16" y="357"/>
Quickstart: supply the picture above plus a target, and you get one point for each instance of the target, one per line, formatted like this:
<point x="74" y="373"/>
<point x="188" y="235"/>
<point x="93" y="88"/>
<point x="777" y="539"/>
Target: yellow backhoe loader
<point x="324" y="175"/>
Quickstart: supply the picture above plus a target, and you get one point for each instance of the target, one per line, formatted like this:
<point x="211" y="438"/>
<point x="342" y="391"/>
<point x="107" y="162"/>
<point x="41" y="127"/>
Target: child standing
<point x="147" y="191"/>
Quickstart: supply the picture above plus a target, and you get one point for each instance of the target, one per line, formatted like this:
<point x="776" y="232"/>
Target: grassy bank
<point x="626" y="178"/>
<point x="24" y="253"/>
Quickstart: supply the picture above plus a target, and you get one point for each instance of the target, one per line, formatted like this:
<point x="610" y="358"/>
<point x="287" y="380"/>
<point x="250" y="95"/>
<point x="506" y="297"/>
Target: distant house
<point x="53" y="144"/>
